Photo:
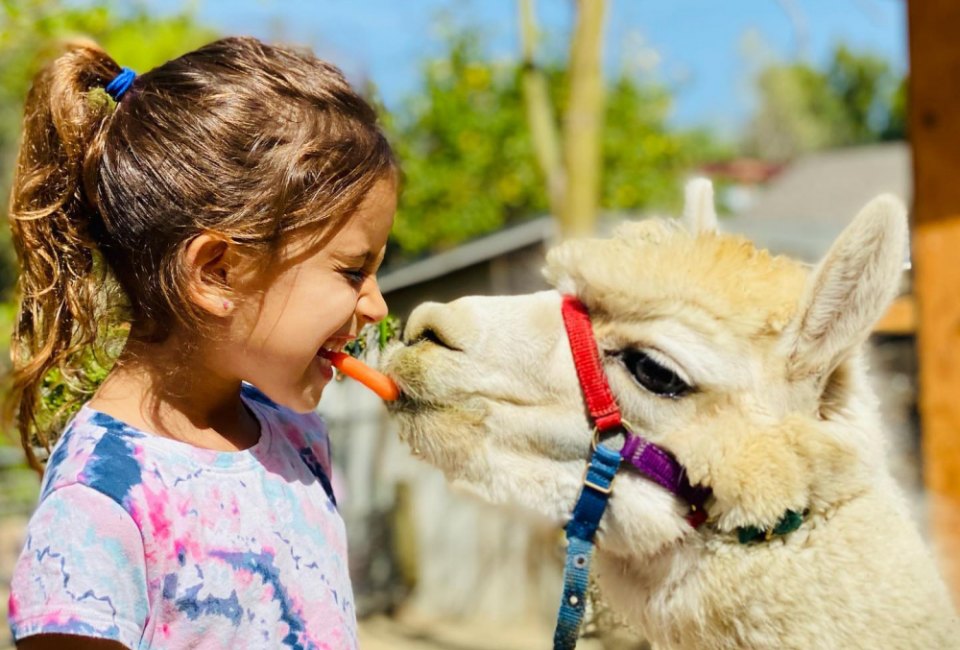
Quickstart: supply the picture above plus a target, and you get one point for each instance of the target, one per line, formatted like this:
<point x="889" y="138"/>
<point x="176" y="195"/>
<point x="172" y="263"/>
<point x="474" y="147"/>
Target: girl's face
<point x="320" y="299"/>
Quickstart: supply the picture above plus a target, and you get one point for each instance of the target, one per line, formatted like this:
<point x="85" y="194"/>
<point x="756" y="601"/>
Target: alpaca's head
<point x="743" y="365"/>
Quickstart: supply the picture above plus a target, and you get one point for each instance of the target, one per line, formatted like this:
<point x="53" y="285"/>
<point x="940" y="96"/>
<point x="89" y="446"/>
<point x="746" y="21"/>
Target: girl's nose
<point x="372" y="307"/>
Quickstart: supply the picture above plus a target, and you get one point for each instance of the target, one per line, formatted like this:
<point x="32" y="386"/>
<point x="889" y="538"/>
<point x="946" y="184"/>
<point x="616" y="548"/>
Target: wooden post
<point x="583" y="122"/>
<point x="543" y="126"/>
<point x="934" y="126"/>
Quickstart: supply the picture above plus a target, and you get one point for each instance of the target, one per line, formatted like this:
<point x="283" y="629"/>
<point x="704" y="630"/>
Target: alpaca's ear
<point x="850" y="289"/>
<point x="698" y="210"/>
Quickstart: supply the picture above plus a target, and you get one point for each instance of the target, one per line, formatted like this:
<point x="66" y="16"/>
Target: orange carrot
<point x="379" y="383"/>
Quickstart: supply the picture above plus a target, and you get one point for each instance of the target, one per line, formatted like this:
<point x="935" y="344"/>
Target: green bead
<point x="788" y="523"/>
<point x="747" y="534"/>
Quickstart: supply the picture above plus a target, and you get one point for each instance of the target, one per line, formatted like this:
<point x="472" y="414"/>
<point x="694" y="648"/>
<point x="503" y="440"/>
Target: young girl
<point x="240" y="197"/>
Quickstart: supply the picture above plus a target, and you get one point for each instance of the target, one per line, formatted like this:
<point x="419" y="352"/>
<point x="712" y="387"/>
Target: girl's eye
<point x="656" y="378"/>
<point x="354" y="276"/>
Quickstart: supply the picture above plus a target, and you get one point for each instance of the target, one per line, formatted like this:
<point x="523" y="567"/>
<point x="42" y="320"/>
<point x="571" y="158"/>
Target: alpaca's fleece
<point x="778" y="416"/>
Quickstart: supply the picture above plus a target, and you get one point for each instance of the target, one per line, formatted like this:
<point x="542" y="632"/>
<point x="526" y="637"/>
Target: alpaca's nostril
<point x="430" y="335"/>
<point x="427" y="334"/>
<point x="433" y="324"/>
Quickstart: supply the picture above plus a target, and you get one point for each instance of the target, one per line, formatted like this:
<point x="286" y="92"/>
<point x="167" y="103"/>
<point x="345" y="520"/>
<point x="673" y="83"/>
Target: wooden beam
<point x="934" y="126"/>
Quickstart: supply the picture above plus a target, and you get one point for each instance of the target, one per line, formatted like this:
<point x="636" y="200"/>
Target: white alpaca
<point x="748" y="369"/>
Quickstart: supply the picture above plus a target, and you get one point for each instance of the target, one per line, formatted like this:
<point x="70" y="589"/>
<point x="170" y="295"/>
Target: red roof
<point x="750" y="171"/>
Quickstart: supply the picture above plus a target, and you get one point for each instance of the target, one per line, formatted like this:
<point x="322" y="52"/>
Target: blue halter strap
<point x="580" y="532"/>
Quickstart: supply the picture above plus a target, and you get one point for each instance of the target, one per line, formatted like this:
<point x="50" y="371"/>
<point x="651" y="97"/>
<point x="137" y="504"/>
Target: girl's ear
<point x="850" y="289"/>
<point x="207" y="259"/>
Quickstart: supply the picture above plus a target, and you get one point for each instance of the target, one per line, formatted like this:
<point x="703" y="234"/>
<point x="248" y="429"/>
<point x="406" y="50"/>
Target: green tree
<point x="644" y="160"/>
<point x="466" y="152"/>
<point x="865" y="85"/>
<point x="469" y="160"/>
<point x="855" y="98"/>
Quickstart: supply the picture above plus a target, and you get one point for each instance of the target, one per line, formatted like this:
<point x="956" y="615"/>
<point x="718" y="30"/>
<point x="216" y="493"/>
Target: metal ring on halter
<point x="624" y="425"/>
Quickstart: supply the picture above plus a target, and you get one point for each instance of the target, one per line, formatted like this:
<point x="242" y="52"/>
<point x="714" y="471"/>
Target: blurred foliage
<point x="854" y="99"/>
<point x="644" y="161"/>
<point x="62" y="394"/>
<point x="468" y="156"/>
<point x="465" y="150"/>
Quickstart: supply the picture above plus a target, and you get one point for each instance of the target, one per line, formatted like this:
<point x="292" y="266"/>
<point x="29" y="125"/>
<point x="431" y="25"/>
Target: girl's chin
<point x="304" y="395"/>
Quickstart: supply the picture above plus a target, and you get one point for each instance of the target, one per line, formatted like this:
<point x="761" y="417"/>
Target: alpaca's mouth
<point x="406" y="403"/>
<point x="403" y="363"/>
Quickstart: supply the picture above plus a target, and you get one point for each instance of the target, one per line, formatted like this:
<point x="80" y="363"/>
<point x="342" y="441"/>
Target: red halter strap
<point x="593" y="382"/>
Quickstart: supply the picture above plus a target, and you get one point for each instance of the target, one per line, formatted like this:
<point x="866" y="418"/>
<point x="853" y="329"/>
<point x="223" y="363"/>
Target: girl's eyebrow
<point x="361" y="257"/>
<point x="355" y="256"/>
<point x="361" y="260"/>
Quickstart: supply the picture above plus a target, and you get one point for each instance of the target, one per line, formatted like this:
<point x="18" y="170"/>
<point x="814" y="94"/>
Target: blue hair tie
<point x="121" y="83"/>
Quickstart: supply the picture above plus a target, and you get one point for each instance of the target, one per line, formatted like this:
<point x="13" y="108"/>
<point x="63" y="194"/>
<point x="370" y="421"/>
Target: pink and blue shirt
<point x="157" y="544"/>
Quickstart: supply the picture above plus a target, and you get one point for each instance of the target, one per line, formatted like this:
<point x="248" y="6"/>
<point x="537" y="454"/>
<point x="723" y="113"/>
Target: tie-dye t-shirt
<point x="157" y="544"/>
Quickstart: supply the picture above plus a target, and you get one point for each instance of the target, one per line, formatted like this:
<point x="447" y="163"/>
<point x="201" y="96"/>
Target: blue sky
<point x="708" y="51"/>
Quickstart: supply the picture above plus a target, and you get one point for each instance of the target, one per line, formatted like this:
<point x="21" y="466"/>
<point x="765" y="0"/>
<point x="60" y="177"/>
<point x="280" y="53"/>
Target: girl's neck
<point x="152" y="389"/>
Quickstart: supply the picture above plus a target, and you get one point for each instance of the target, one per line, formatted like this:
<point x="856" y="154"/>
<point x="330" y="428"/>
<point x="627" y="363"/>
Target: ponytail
<point x="53" y="211"/>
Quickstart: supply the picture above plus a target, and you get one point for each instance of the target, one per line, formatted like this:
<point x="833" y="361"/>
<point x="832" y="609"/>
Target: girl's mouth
<point x="333" y="345"/>
<point x="327" y="351"/>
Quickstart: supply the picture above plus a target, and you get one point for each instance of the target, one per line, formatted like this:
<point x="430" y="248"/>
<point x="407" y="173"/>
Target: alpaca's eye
<point x="653" y="376"/>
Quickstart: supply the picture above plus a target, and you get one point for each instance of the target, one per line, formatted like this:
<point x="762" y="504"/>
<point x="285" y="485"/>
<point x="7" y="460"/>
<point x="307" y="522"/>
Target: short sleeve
<point x="81" y="571"/>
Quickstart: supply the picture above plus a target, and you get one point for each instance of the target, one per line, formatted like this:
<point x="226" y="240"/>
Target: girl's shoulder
<point x="95" y="450"/>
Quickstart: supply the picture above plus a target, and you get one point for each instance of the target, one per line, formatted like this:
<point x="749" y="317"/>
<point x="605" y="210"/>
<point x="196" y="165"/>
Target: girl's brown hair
<point x="249" y="140"/>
